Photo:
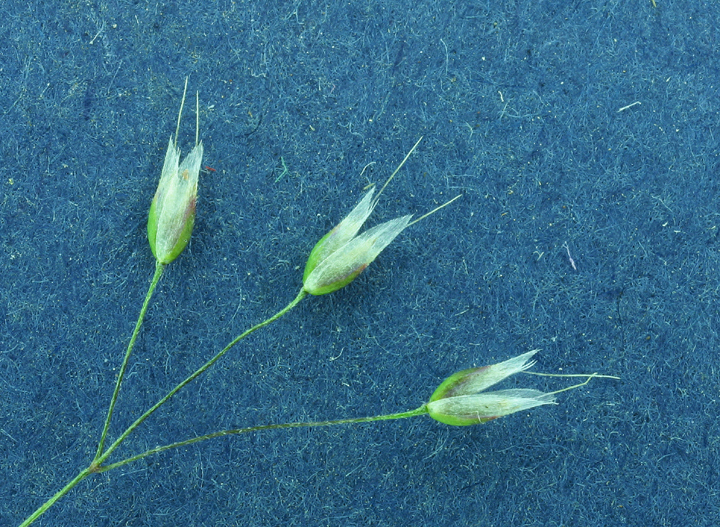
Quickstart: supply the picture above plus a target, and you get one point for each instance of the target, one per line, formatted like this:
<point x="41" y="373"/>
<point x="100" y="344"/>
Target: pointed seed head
<point x="457" y="401"/>
<point x="172" y="211"/>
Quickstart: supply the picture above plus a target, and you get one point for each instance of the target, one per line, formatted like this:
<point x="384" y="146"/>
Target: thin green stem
<point x="156" y="278"/>
<point x="101" y="456"/>
<point x="98" y="461"/>
<point x="59" y="494"/>
<point x="401" y="415"/>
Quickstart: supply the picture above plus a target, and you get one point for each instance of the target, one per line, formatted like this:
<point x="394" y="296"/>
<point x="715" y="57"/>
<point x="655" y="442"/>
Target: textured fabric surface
<point x="582" y="137"/>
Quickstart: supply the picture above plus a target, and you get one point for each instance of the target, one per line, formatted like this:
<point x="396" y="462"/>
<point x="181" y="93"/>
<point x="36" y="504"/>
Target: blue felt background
<point x="519" y="105"/>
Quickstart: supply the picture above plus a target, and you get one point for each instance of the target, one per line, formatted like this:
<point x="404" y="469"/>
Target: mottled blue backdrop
<point x="581" y="130"/>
